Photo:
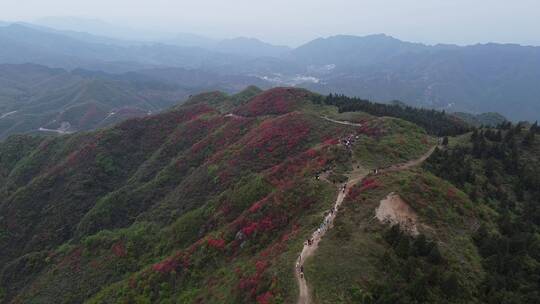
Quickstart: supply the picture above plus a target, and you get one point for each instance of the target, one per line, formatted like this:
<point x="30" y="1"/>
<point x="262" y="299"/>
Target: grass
<point x="399" y="142"/>
<point x="349" y="256"/>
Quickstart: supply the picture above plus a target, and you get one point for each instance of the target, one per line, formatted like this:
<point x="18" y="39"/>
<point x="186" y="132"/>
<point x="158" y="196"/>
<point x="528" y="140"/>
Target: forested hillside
<point x="499" y="167"/>
<point x="213" y="200"/>
<point x="192" y="205"/>
<point x="38" y="99"/>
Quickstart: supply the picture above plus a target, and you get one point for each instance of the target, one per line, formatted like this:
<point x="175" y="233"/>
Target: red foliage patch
<point x="273" y="102"/>
<point x="367" y="184"/>
<point x="73" y="259"/>
<point x="166" y="266"/>
<point x="250" y="228"/>
<point x="264" y="298"/>
<point x="451" y="193"/>
<point x="369" y="130"/>
<point x="216" y="243"/>
<point x="251" y="283"/>
<point x="257" y="206"/>
<point x="331" y="141"/>
<point x="119" y="249"/>
<point x="285" y="133"/>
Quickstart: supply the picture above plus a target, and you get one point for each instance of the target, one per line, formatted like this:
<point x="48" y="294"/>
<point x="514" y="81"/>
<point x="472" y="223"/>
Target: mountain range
<point x="479" y="78"/>
<point x="38" y="99"/>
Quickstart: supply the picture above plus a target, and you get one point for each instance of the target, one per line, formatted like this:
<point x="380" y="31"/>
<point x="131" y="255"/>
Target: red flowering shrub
<point x="264" y="298"/>
<point x="166" y="266"/>
<point x="284" y="132"/>
<point x="451" y="193"/>
<point x="272" y="102"/>
<point x="251" y="283"/>
<point x="370" y="131"/>
<point x="331" y="141"/>
<point x="257" y="206"/>
<point x="119" y="249"/>
<point x="367" y="184"/>
<point x="250" y="228"/>
<point x="216" y="243"/>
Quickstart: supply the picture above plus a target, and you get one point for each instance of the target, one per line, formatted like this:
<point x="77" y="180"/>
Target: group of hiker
<point x="317" y="234"/>
<point x="349" y="140"/>
<point x="300" y="267"/>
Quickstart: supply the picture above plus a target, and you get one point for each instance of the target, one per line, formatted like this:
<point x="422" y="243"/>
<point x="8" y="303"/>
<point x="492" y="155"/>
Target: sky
<point x="293" y="22"/>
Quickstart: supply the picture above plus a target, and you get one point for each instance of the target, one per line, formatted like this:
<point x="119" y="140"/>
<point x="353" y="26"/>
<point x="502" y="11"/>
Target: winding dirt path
<point x="342" y="122"/>
<point x="328" y="222"/>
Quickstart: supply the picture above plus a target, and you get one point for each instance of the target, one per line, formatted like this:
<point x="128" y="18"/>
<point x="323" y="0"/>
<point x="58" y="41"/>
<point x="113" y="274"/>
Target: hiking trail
<point x="355" y="176"/>
<point x="342" y="122"/>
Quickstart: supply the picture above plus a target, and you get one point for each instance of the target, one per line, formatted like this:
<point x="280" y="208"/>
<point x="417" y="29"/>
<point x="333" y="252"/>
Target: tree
<point x="445" y="141"/>
<point x="450" y="285"/>
<point x="535" y="128"/>
<point x="435" y="256"/>
<point x="529" y="138"/>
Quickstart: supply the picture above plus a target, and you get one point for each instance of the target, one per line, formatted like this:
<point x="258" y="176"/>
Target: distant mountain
<point x="35" y="98"/>
<point x="251" y="47"/>
<point x="476" y="79"/>
<point x="101" y="28"/>
<point x="352" y="51"/>
<point x="29" y="44"/>
<point x="187" y="39"/>
<point x="479" y="78"/>
<point x="84" y="36"/>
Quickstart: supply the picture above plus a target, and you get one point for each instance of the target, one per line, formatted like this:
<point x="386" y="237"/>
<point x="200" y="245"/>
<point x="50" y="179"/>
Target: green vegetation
<point x="436" y="123"/>
<point x="396" y="141"/>
<point x="378" y="263"/>
<point x="195" y="206"/>
<point x="499" y="168"/>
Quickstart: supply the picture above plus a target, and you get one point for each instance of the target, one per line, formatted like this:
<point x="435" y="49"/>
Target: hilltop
<point x="211" y="202"/>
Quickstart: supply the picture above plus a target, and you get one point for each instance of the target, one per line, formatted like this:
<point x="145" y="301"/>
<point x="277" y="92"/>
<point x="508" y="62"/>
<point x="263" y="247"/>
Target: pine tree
<point x="529" y="138"/>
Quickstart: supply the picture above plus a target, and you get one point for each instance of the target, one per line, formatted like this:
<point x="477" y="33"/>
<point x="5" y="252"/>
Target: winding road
<point x="356" y="176"/>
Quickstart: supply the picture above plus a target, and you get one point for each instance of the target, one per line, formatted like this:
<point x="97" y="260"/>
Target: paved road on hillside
<point x="356" y="176"/>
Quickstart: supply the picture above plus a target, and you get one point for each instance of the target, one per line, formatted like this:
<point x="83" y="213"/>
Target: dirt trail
<point x="342" y="122"/>
<point x="308" y="250"/>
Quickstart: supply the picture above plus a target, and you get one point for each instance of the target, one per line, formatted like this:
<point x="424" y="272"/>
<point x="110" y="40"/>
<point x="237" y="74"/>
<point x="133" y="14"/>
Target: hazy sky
<point x="296" y="21"/>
